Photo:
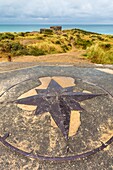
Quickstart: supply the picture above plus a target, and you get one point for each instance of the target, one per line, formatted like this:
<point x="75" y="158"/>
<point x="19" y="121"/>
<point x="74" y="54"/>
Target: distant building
<point x="51" y="29"/>
<point x="56" y="28"/>
<point x="45" y="30"/>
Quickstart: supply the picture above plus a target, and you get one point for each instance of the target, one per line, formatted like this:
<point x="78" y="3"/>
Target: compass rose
<point x="59" y="102"/>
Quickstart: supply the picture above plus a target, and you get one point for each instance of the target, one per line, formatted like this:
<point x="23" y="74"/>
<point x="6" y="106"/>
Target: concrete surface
<point x="30" y="132"/>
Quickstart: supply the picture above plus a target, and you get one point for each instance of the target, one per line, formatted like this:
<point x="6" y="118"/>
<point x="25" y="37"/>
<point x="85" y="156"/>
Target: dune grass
<point x="100" y="53"/>
<point x="98" y="47"/>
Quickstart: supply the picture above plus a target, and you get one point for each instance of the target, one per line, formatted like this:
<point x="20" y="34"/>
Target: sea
<point x="102" y="29"/>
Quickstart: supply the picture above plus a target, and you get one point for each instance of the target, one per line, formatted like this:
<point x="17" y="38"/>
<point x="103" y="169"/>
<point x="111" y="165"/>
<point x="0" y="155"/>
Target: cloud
<point x="51" y="11"/>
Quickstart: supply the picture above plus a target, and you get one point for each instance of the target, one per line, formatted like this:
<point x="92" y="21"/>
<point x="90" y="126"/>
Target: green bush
<point x="6" y="36"/>
<point x="65" y="48"/>
<point x="71" y="38"/>
<point x="106" y="46"/>
<point x="57" y="42"/>
<point x="23" y="51"/>
<point x="35" y="51"/>
<point x="40" y="38"/>
<point x="22" y="34"/>
<point x="69" y="45"/>
<point x="65" y="35"/>
<point x="17" y="46"/>
<point x="83" y="43"/>
<point x="12" y="47"/>
<point x="5" y="46"/>
<point x="100" y="38"/>
<point x="98" y="55"/>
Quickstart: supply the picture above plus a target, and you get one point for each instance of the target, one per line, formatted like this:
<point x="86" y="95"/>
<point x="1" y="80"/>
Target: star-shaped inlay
<point x="59" y="102"/>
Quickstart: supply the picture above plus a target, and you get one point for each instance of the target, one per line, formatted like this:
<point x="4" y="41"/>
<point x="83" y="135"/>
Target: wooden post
<point x="9" y="58"/>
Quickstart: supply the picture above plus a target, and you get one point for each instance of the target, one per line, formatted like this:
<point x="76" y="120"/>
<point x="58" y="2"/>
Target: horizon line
<point x="56" y="24"/>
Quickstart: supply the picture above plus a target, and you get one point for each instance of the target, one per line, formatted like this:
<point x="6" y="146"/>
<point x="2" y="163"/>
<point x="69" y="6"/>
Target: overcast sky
<point x="56" y="11"/>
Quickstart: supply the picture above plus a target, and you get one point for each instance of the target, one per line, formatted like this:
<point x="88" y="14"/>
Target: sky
<point x="56" y="11"/>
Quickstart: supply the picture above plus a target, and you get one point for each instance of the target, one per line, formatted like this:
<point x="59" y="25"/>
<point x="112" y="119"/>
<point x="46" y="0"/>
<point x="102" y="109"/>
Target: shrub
<point x="65" y="48"/>
<point x="48" y="47"/>
<point x="17" y="46"/>
<point x="97" y="55"/>
<point x="23" y="51"/>
<point x="69" y="44"/>
<point x="57" y="42"/>
<point x="40" y="37"/>
<point x="22" y="34"/>
<point x="83" y="43"/>
<point x="35" y="51"/>
<point x="7" y="36"/>
<point x="100" y="38"/>
<point x="14" y="48"/>
<point x="71" y="38"/>
<point x="106" y="46"/>
<point x="65" y="35"/>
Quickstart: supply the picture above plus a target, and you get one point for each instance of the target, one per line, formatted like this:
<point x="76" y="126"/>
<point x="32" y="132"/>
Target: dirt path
<point x="19" y="62"/>
<point x="69" y="58"/>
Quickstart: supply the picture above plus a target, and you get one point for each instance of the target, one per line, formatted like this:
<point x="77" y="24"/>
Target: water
<point x="103" y="29"/>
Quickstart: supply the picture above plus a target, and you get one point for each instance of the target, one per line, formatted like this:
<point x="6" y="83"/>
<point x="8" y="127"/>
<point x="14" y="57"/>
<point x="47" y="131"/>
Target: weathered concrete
<point x="38" y="132"/>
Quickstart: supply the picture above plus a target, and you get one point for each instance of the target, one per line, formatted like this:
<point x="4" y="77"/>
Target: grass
<point x="100" y="53"/>
<point x="98" y="47"/>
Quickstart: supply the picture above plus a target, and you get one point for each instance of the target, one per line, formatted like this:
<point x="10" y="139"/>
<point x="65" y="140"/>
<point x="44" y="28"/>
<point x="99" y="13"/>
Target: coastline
<point x="97" y="28"/>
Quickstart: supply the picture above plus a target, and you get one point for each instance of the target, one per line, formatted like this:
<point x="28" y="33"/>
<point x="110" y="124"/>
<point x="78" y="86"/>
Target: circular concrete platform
<point x="88" y="128"/>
